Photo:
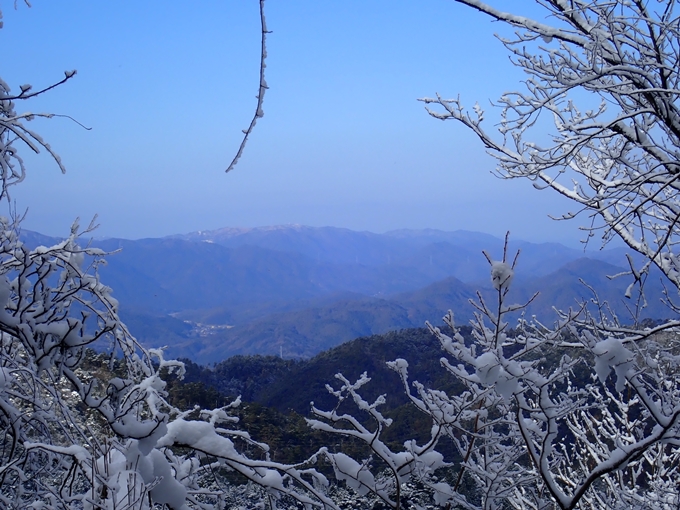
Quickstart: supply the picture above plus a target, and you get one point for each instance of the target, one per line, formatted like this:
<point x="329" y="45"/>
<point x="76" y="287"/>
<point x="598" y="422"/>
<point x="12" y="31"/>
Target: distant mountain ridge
<point x="297" y="290"/>
<point x="341" y="245"/>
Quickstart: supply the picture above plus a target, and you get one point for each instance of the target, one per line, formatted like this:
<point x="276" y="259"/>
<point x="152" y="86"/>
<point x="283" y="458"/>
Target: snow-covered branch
<point x="617" y="156"/>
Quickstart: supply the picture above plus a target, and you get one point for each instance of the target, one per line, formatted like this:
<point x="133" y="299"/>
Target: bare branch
<point x="259" y="112"/>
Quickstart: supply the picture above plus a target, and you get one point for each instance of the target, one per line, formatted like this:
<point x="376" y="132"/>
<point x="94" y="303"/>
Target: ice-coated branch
<point x="605" y="76"/>
<point x="259" y="111"/>
<point x="414" y="461"/>
<point x="13" y="129"/>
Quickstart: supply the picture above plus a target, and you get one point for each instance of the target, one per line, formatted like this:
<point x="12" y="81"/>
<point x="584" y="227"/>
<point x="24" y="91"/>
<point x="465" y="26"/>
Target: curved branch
<point x="259" y="112"/>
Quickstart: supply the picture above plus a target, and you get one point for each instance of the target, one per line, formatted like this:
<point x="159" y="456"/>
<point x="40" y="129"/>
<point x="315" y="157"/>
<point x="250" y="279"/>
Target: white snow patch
<point x="610" y="353"/>
<point x="501" y="275"/>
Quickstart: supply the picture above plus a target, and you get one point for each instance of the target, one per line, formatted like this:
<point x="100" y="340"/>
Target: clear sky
<point x="167" y="87"/>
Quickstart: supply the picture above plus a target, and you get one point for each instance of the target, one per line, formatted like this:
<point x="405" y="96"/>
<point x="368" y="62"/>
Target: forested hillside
<point x="275" y="402"/>
<point x="275" y="382"/>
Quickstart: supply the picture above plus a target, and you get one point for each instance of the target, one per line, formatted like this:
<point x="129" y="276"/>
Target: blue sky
<point x="168" y="86"/>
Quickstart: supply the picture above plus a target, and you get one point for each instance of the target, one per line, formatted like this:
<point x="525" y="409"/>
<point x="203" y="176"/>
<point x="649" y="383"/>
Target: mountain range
<point x="295" y="291"/>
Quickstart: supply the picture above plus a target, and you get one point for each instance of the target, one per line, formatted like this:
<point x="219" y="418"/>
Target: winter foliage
<point x="581" y="414"/>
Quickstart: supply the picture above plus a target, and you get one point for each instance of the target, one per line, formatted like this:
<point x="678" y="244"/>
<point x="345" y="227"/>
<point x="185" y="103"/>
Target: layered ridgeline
<point x="295" y="291"/>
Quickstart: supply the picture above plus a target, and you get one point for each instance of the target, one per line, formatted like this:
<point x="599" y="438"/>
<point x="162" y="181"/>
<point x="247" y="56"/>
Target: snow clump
<point x="501" y="275"/>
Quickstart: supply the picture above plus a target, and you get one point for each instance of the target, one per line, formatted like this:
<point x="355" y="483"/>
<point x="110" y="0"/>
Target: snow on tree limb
<point x="619" y="161"/>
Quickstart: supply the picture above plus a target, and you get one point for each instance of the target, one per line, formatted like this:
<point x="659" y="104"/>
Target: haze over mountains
<point x="296" y="291"/>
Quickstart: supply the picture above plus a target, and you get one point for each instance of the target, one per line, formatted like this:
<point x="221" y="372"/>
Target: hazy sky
<point x="167" y="87"/>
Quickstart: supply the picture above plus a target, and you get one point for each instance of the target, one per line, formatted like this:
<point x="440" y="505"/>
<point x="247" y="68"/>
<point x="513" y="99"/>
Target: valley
<point x="295" y="291"/>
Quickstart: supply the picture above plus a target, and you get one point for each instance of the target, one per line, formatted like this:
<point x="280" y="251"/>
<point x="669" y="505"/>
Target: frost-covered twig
<point x="414" y="461"/>
<point x="617" y="157"/>
<point x="259" y="112"/>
